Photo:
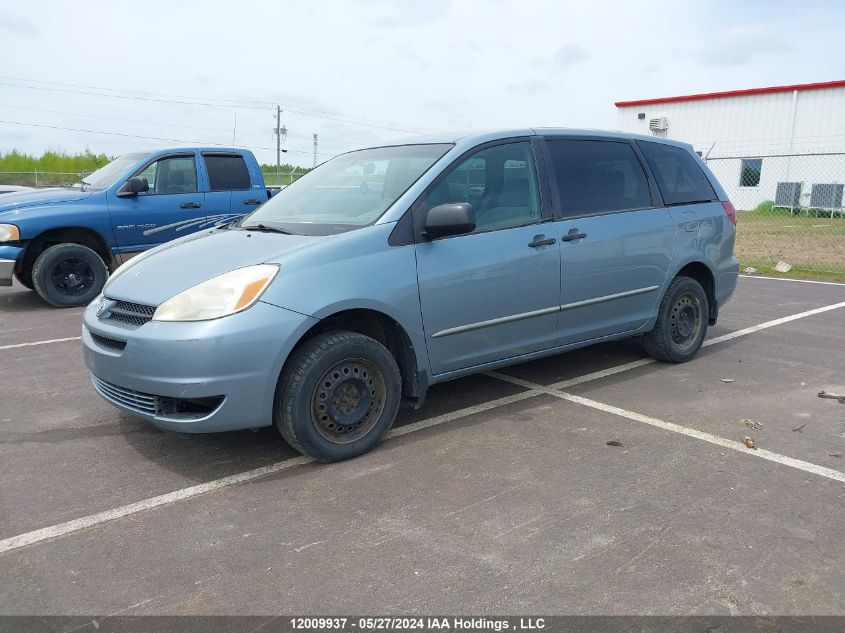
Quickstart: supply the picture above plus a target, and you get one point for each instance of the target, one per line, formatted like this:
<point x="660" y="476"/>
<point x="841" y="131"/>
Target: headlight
<point x="224" y="295"/>
<point x="9" y="233"/>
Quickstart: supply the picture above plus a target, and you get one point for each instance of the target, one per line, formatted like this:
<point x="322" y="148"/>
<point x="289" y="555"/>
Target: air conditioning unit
<point x="658" y="125"/>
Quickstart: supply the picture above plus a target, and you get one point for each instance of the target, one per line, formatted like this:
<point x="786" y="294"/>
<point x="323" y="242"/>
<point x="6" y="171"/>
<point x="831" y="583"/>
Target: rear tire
<point x="337" y="396"/>
<point x="69" y="275"/>
<point x="681" y="322"/>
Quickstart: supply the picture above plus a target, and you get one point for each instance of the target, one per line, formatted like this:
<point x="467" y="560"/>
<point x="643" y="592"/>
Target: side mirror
<point x="455" y="218"/>
<point x="133" y="186"/>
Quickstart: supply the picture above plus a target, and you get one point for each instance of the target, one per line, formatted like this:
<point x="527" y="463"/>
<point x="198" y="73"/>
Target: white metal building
<point x="783" y="143"/>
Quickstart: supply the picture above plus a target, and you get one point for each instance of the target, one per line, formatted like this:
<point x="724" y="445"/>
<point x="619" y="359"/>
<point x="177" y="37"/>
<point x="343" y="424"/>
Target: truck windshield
<point x="347" y="192"/>
<point x="105" y="176"/>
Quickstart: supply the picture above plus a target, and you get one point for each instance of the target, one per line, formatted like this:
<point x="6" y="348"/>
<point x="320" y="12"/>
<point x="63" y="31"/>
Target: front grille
<point x="110" y="343"/>
<point x="131" y="313"/>
<point x="135" y="400"/>
<point x="182" y="409"/>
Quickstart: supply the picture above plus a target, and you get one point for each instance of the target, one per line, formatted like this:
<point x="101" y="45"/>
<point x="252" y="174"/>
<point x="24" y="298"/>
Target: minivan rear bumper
<point x="726" y="279"/>
<point x="200" y="377"/>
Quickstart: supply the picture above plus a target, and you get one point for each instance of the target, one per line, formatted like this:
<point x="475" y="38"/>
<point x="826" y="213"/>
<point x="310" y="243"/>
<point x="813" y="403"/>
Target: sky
<point x="115" y="77"/>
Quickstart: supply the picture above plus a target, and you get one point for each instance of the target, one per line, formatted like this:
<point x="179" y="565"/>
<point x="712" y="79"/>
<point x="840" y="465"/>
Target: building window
<point x="749" y="172"/>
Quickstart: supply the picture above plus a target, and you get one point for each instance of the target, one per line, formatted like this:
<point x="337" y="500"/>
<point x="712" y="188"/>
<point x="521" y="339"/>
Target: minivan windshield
<point x="105" y="176"/>
<point x="347" y="192"/>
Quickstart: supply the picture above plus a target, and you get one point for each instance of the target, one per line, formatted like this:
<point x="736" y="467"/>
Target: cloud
<point x="17" y="25"/>
<point x="528" y="88"/>
<point x="740" y="45"/>
<point x="410" y="14"/>
<point x="570" y="54"/>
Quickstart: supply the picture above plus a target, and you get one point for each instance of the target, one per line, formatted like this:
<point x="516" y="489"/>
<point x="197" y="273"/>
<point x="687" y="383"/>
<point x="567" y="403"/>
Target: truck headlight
<point x="221" y="296"/>
<point x="9" y="233"/>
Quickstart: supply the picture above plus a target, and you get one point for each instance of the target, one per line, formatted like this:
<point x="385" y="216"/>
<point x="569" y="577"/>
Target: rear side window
<point x="598" y="176"/>
<point x="227" y="172"/>
<point x="678" y="174"/>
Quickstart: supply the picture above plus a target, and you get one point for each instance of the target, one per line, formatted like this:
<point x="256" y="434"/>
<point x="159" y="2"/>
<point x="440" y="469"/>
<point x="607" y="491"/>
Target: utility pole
<point x="279" y="131"/>
<point x="315" y="150"/>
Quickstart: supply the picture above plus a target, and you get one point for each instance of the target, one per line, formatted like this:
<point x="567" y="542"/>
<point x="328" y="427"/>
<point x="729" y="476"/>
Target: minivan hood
<point x="39" y="197"/>
<point x="184" y="263"/>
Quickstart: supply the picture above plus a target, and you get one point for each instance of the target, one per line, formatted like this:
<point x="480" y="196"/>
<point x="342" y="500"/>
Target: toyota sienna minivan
<point x="389" y="269"/>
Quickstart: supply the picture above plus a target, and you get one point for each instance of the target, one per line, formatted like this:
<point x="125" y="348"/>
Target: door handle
<point x="574" y="234"/>
<point x="190" y="205"/>
<point x="541" y="240"/>
<point x="252" y="201"/>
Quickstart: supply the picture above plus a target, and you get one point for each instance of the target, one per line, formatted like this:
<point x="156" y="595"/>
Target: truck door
<point x="172" y="207"/>
<point x="232" y="191"/>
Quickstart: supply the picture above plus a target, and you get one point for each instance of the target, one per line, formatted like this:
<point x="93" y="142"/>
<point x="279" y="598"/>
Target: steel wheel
<point x="348" y="400"/>
<point x="685" y="320"/>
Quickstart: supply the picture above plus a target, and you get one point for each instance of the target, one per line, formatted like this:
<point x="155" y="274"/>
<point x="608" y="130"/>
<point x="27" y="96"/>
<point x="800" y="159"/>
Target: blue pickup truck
<point x="63" y="242"/>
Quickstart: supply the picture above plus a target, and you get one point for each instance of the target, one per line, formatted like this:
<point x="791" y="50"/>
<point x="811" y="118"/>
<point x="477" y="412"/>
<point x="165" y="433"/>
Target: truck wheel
<point x="337" y="396"/>
<point x="681" y="322"/>
<point x="68" y="275"/>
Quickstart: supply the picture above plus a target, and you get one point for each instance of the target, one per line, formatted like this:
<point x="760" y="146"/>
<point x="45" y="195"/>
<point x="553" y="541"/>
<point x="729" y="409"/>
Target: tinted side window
<point x="598" y="176"/>
<point x="227" y="172"/>
<point x="501" y="184"/>
<point x="679" y="176"/>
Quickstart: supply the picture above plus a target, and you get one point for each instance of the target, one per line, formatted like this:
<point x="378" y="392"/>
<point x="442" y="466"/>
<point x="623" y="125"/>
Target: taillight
<point x="730" y="211"/>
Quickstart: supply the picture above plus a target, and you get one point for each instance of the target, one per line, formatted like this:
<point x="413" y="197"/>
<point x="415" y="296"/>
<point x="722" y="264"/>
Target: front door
<point x="616" y="243"/>
<point x="173" y="207"/>
<point x="491" y="294"/>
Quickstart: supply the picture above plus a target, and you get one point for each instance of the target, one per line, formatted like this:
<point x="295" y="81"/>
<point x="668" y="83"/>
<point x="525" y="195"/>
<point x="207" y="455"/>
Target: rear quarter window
<point x="679" y="176"/>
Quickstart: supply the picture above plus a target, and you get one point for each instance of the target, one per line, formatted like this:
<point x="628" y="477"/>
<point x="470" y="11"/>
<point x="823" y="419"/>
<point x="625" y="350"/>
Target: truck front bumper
<point x="8" y="256"/>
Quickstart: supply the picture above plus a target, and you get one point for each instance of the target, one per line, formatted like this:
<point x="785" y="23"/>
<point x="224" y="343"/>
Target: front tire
<point x="338" y="395"/>
<point x="69" y="275"/>
<point x="681" y="322"/>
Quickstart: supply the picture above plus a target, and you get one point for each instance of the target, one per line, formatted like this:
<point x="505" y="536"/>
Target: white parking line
<point x="37" y="536"/>
<point x="809" y="467"/>
<point x="43" y="534"/>
<point x="52" y="340"/>
<point x="800" y="281"/>
<point x="768" y="324"/>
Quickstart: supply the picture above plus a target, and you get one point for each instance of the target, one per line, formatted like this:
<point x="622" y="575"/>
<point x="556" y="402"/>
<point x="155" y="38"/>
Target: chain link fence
<point x="281" y="178"/>
<point x="790" y="214"/>
<point x="40" y="178"/>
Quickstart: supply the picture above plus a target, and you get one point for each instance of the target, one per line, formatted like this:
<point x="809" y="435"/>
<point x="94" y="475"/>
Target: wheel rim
<point x="348" y="400"/>
<point x="72" y="277"/>
<point x="685" y="320"/>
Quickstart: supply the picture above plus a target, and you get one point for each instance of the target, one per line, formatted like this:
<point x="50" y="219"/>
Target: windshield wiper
<point x="267" y="229"/>
<point x="84" y="184"/>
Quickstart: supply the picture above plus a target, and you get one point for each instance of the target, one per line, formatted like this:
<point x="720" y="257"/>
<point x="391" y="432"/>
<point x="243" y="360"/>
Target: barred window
<point x="749" y="172"/>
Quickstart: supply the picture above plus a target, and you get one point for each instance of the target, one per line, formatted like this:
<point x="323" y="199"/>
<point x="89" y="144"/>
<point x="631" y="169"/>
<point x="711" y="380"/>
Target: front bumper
<point x="231" y="365"/>
<point x="8" y="257"/>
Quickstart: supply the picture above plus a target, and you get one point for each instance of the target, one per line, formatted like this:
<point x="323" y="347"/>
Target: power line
<point x="152" y="138"/>
<point x="138" y="121"/>
<point x="208" y="101"/>
<point x="113" y="118"/>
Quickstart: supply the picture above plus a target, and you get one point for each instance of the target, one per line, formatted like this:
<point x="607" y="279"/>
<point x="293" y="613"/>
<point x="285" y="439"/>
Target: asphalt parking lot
<point x="501" y="495"/>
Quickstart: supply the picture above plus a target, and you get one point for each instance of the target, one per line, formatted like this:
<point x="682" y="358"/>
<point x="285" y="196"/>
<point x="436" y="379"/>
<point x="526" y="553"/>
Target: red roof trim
<point x="733" y="93"/>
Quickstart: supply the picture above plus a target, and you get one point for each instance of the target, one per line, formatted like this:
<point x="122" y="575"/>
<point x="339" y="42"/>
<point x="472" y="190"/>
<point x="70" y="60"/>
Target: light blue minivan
<point x="389" y="269"/>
